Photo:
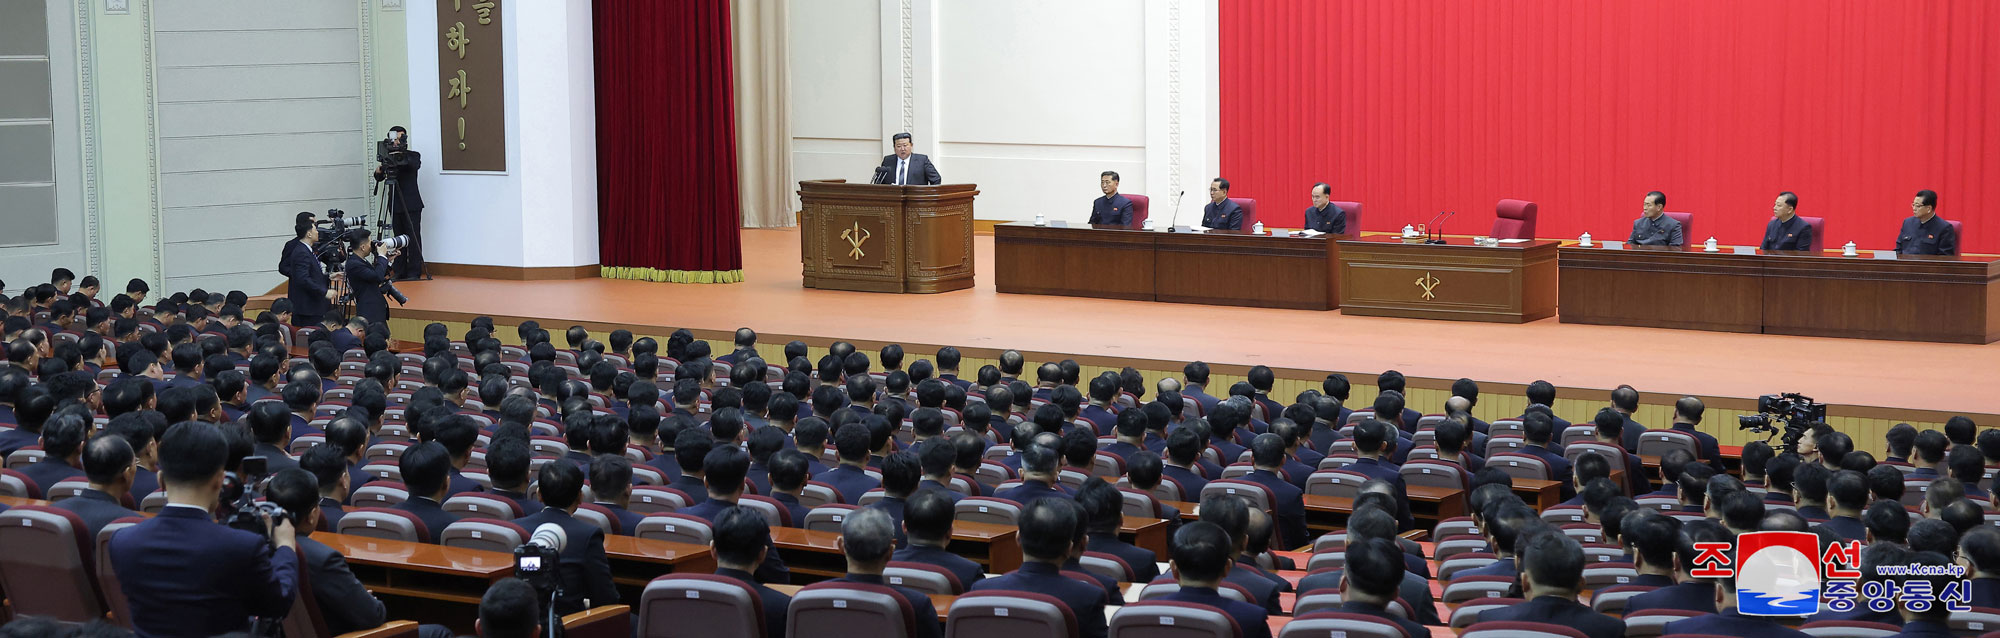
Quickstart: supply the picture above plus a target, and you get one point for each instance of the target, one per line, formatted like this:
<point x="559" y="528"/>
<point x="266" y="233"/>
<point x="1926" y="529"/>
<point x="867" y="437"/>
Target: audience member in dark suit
<point x="851" y="478"/>
<point x="1923" y="232"/>
<point x="1689" y="594"/>
<point x="1552" y="572"/>
<point x="900" y="474"/>
<point x="507" y="461"/>
<point x="329" y="470"/>
<point x="343" y="601"/>
<point x="510" y="609"/>
<point x="869" y="541"/>
<point x="691" y="447"/>
<point x="185" y="575"/>
<point x="309" y="288"/>
<point x="1881" y="549"/>
<point x="1106" y="508"/>
<point x="1373" y="520"/>
<point x="1201" y="565"/>
<point x="1322" y="215"/>
<point x="1981" y="547"/>
<point x="1372" y="579"/>
<point x="1727" y="622"/>
<point x="1183" y="454"/>
<point x="586" y="574"/>
<point x="1625" y="399"/>
<point x="1232" y="514"/>
<point x="927" y="521"/>
<point x="1370" y="437"/>
<point x="1195" y="385"/>
<point x="742" y="541"/>
<point x="788" y="478"/>
<point x="611" y="488"/>
<point x="62" y="441"/>
<point x="906" y="168"/>
<point x="425" y="468"/>
<point x="1220" y="213"/>
<point x="1113" y="208"/>
<point x="1786" y="231"/>
<point x="1687" y="415"/>
<point x="107" y="461"/>
<point x="32" y="407"/>
<point x="272" y="426"/>
<point x="1048" y="533"/>
<point x="1267" y="454"/>
<point x="1038" y="474"/>
<point x="723" y="469"/>
<point x="938" y="457"/>
<point x="1536" y="431"/>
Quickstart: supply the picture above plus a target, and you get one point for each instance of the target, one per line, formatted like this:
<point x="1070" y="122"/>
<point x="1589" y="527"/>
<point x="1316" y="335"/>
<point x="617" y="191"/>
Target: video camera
<point x="338" y="230"/>
<point x="539" y="561"/>
<point x="1796" y="412"/>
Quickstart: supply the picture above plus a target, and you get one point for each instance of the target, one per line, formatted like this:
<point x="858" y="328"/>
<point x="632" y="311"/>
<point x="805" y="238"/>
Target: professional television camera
<point x="249" y="512"/>
<point x="337" y="231"/>
<point x="539" y="561"/>
<point x="1795" y="412"/>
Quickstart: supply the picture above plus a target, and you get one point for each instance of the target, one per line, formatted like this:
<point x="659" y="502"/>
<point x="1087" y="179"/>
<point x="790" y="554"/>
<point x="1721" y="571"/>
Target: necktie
<point x="902" y="172"/>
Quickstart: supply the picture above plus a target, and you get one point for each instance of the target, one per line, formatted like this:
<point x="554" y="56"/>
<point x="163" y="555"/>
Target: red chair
<point x="1514" y="219"/>
<point x="1140" y="206"/>
<point x="1353" y="216"/>
<point x="700" y="605"/>
<point x="850" y="609"/>
<point x="46" y="570"/>
<point x="1818" y="226"/>
<point x="1687" y="226"/>
<point x="1169" y="618"/>
<point x="383" y="523"/>
<point x="1511" y="629"/>
<point x="1334" y="623"/>
<point x="1249" y="211"/>
<point x="1008" y="613"/>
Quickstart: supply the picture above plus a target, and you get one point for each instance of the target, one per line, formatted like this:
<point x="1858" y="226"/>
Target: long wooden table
<point x="1877" y="295"/>
<point x="1217" y="267"/>
<point x="1382" y="276"/>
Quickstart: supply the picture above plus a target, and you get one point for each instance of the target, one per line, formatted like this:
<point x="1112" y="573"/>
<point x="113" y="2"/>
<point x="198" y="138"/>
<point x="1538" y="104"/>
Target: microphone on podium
<point x="881" y="175"/>
<point x="1437" y="227"/>
<point x="1173" y="221"/>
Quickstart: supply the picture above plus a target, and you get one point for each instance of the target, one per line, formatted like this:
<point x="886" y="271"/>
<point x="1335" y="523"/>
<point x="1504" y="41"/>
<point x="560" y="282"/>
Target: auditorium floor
<point x="1889" y="374"/>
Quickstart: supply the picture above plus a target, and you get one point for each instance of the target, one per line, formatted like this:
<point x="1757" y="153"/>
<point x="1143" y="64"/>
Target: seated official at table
<point x="1220" y="213"/>
<point x="1655" y="228"/>
<point x="1924" y="233"/>
<point x="1112" y="209"/>
<point x="1785" y="230"/>
<point x="1323" y="216"/>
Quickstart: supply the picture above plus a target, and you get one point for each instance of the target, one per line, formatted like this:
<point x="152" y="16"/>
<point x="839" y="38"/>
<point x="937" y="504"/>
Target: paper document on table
<point x="1311" y="233"/>
<point x="1515" y="241"/>
<point x="1198" y="228"/>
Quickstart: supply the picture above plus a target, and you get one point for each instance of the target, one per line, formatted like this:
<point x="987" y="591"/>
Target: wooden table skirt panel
<point x="1509" y="283"/>
<point x="1229" y="268"/>
<point x="885" y="238"/>
<point x="1914" y="298"/>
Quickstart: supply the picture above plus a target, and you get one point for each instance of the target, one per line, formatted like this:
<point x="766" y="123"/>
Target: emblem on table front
<point x="1428" y="283"/>
<point x="855" y="237"/>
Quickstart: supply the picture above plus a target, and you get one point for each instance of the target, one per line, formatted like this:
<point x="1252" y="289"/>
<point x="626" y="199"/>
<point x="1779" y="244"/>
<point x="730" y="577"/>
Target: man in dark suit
<point x="1371" y="580"/>
<point x="1537" y="431"/>
<point x="185" y="575"/>
<point x="1267" y="456"/>
<point x="788" y="478"/>
<point x="742" y="541"/>
<point x="507" y="461"/>
<point x="1200" y="566"/>
<point x="272" y="427"/>
<point x="1220" y="213"/>
<point x="1846" y="496"/>
<point x="1923" y="232"/>
<point x="585" y="572"/>
<point x="62" y="440"/>
<point x="1112" y="209"/>
<point x="1373" y="520"/>
<point x="1689" y="594"/>
<point x="691" y="446"/>
<point x="329" y="470"/>
<point x="850" y="478"/>
<point x="1370" y="436"/>
<point x="869" y="541"/>
<point x="1687" y="415"/>
<point x="1106" y="509"/>
<point x="1726" y="621"/>
<point x="1047" y="530"/>
<point x="723" y="469"/>
<point x="900" y="474"/>
<point x="309" y="288"/>
<point x="1323" y="216"/>
<point x="107" y="460"/>
<point x="1038" y="474"/>
<point x="1232" y="514"/>
<point x="426" y="468"/>
<point x="343" y="601"/>
<point x="1552" y="572"/>
<point x="398" y="164"/>
<point x="906" y="168"/>
<point x="1654" y="227"/>
<point x="927" y="523"/>
<point x="611" y="487"/>
<point x="1786" y="231"/>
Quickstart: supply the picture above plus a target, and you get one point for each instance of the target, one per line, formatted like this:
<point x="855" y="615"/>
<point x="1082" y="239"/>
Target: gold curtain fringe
<point x="672" y="276"/>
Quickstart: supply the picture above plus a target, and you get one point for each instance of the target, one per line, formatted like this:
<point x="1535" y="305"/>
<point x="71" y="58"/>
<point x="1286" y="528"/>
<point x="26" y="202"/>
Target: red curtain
<point x="666" y="137"/>
<point x="1582" y="106"/>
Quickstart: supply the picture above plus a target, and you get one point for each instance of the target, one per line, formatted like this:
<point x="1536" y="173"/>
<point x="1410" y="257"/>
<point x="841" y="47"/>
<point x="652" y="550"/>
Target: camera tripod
<point x="385" y="224"/>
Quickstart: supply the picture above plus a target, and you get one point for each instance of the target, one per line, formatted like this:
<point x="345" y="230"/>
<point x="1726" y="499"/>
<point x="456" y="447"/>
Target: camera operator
<point x="343" y="601"/>
<point x="308" y="286"/>
<point x="367" y="271"/>
<point x="186" y="575"/>
<point x="397" y="164"/>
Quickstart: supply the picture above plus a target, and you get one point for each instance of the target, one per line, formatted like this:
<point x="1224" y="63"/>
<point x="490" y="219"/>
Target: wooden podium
<point x="884" y="238"/>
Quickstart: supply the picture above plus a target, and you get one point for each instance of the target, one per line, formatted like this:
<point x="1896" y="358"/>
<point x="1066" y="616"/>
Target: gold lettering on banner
<point x="1428" y="283"/>
<point x="485" y="10"/>
<point x="455" y="39"/>
<point x="461" y="132"/>
<point x="460" y="89"/>
<point x="854" y="238"/>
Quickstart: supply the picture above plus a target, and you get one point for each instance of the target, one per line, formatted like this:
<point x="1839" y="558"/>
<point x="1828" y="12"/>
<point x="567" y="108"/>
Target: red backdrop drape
<point x="666" y="136"/>
<point x="1582" y="106"/>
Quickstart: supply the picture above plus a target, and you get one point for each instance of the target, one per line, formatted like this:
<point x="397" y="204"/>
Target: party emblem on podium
<point x="1429" y="284"/>
<point x="855" y="237"/>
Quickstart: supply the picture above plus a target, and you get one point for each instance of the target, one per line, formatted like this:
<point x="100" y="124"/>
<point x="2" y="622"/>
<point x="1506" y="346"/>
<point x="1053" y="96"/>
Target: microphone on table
<point x="1436" y="228"/>
<point x="1174" y="221"/>
<point x="881" y="175"/>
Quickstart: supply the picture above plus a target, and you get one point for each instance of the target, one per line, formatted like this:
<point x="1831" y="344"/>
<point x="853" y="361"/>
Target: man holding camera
<point x="397" y="164"/>
<point x="308" y="286"/>
<point x="185" y="575"/>
<point x="368" y="274"/>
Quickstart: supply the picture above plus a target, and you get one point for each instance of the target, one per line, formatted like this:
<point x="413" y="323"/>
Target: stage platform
<point x="1875" y="383"/>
